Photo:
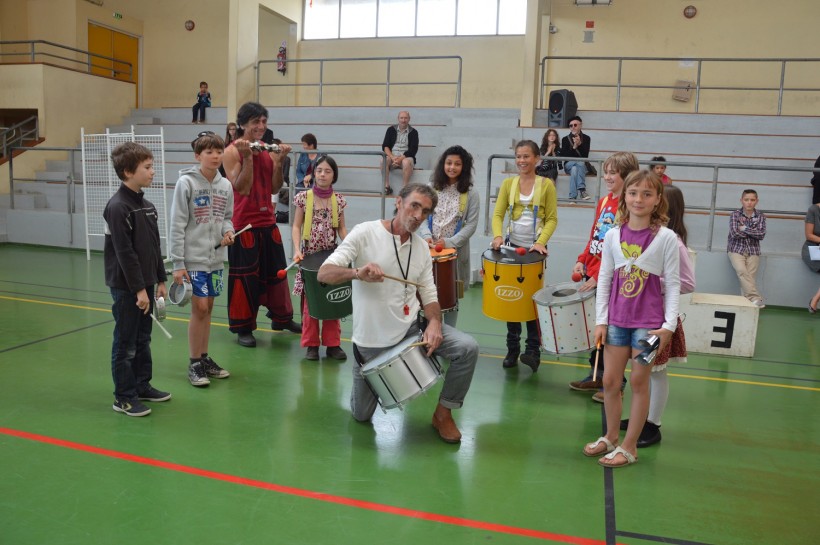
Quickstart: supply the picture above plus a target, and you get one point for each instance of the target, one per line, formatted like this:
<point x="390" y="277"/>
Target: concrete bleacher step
<point x="24" y="200"/>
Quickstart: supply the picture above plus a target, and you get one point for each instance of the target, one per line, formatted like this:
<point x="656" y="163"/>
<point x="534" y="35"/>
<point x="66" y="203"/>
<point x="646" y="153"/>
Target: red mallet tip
<point x="439" y="247"/>
<point x="281" y="274"/>
<point x="521" y="251"/>
<point x="576" y="277"/>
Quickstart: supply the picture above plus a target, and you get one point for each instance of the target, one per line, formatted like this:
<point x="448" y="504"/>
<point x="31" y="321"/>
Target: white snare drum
<point x="401" y="373"/>
<point x="566" y="317"/>
<point x="180" y="294"/>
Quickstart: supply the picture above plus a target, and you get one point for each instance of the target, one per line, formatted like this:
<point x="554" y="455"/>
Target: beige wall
<point x="83" y="101"/>
<point x="273" y="30"/>
<point x="729" y="28"/>
<point x="491" y="71"/>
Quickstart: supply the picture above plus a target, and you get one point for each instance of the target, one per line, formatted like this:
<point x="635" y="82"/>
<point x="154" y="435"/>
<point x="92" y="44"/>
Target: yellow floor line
<point x="548" y="362"/>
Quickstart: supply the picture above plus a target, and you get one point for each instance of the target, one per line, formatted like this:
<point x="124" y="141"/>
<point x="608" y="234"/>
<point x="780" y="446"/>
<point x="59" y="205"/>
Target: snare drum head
<point x="563" y="293"/>
<point x="509" y="257"/>
<point x="444" y="255"/>
<point x="312" y="262"/>
<point x="388" y="355"/>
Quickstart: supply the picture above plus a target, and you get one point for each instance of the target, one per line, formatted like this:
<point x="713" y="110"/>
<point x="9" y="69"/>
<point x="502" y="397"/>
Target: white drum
<point x="401" y="373"/>
<point x="566" y="317"/>
<point x="180" y="294"/>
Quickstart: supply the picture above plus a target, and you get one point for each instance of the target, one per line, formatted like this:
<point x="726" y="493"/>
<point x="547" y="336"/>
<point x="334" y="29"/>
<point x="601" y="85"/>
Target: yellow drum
<point x="510" y="281"/>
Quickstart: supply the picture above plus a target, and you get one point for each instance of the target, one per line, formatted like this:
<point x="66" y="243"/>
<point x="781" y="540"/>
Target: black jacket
<point x="582" y="150"/>
<point x="392" y="134"/>
<point x="132" y="254"/>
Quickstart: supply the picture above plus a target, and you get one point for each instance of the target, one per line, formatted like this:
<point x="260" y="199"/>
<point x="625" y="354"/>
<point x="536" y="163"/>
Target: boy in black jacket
<point x="133" y="265"/>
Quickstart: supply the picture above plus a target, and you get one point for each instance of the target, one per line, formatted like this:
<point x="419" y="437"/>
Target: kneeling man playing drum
<point x="385" y="310"/>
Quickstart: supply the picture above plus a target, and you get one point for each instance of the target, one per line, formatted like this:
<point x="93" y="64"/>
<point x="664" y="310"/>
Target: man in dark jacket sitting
<point x="401" y="143"/>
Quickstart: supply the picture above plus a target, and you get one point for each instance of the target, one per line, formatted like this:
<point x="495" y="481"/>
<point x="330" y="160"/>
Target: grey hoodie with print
<point x="200" y="216"/>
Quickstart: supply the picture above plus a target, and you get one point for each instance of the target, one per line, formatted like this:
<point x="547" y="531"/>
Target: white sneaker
<point x="759" y="303"/>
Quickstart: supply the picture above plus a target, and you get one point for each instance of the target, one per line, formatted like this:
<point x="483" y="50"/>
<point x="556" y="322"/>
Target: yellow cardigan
<point x="547" y="208"/>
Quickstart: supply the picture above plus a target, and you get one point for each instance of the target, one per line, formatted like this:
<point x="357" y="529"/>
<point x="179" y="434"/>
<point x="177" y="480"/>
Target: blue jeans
<point x="131" y="364"/>
<point x="458" y="347"/>
<point x="576" y="171"/>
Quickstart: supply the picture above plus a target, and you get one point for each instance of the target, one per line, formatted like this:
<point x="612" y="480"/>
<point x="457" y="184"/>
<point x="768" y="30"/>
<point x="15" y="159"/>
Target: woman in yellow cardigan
<point x="532" y="204"/>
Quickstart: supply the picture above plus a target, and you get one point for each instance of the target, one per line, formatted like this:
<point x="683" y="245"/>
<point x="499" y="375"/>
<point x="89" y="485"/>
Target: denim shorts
<point x="206" y="284"/>
<point x="626" y="336"/>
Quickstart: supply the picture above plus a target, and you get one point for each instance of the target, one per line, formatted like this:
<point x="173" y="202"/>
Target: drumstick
<point x="161" y="326"/>
<point x="595" y="368"/>
<point x="402" y="280"/>
<point x="420" y="343"/>
<point x="519" y="250"/>
<point x="248" y="226"/>
<point x="284" y="272"/>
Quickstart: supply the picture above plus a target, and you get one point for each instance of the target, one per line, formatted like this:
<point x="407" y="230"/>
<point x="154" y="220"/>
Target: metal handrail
<point x="698" y="84"/>
<point x="32" y="54"/>
<point x="321" y="84"/>
<point x="712" y="208"/>
<point x="8" y="139"/>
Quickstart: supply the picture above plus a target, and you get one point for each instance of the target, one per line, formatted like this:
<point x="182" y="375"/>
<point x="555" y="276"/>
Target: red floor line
<point x="341" y="500"/>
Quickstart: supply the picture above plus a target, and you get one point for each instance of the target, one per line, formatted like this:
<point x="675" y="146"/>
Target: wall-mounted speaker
<point x="561" y="107"/>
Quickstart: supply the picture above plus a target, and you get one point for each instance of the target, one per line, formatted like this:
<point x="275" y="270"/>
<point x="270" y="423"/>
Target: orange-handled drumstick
<point x="248" y="226"/>
<point x="284" y="272"/>
<point x="595" y="368"/>
<point x="519" y="250"/>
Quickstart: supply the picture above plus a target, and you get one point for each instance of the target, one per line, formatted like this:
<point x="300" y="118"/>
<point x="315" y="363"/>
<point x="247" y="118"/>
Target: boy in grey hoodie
<point x="201" y="229"/>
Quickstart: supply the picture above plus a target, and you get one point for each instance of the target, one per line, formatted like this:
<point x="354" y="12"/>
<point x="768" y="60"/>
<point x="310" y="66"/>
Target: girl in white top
<point x="638" y="292"/>
<point x="455" y="218"/>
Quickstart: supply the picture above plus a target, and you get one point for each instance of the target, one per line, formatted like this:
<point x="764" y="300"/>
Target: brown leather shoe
<point x="446" y="426"/>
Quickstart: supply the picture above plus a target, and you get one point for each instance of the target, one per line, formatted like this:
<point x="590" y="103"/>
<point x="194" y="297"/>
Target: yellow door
<point x="100" y="43"/>
<point x="106" y="42"/>
<point x="126" y="48"/>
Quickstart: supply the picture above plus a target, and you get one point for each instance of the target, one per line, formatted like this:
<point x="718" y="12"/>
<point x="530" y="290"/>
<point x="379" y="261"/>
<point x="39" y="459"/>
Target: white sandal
<point x="630" y="459"/>
<point x="609" y="447"/>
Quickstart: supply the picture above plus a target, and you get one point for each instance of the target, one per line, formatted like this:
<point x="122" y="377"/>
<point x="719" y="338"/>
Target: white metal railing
<point x="712" y="209"/>
<point x="45" y="51"/>
<point x="698" y="85"/>
<point x="387" y="82"/>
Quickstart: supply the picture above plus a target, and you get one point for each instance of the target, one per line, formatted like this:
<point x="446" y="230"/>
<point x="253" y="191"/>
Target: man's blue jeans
<point x="576" y="171"/>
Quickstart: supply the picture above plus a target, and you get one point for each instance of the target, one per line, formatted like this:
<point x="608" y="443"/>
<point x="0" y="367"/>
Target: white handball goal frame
<point x="100" y="181"/>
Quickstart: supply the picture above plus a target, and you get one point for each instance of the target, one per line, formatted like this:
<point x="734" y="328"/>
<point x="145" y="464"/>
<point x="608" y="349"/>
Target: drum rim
<point x="187" y="293"/>
<point x="307" y="261"/>
<point x="444" y="255"/>
<point x="508" y="257"/>
<point x="550" y="300"/>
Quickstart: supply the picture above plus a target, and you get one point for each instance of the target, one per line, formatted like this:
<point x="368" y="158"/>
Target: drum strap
<point x="536" y="198"/>
<point x="334" y="213"/>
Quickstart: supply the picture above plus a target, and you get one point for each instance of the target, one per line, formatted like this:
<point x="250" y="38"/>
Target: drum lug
<point x="520" y="279"/>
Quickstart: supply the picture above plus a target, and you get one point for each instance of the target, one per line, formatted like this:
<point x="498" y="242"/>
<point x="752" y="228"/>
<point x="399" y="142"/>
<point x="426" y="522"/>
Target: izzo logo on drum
<point x="508" y="293"/>
<point x="339" y="295"/>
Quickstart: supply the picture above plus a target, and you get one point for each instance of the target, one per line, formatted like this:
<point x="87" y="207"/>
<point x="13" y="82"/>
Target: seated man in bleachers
<point x="575" y="146"/>
<point x="401" y="143"/>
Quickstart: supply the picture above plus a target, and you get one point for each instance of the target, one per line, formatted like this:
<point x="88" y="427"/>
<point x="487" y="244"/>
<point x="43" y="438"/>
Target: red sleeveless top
<point x="256" y="208"/>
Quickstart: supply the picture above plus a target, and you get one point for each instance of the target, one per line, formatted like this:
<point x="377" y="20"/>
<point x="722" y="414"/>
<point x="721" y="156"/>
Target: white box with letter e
<point x="720" y="324"/>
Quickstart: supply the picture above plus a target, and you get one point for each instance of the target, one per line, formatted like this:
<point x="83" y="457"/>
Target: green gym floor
<point x="271" y="455"/>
